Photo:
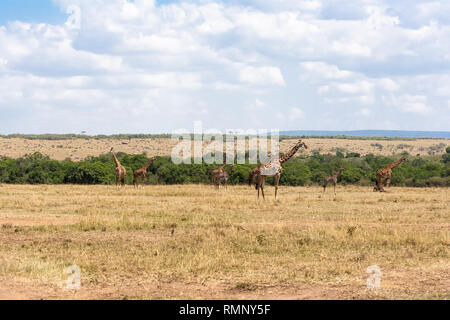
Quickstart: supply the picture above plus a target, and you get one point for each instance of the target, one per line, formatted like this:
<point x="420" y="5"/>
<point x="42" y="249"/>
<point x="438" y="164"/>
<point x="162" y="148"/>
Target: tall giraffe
<point x="332" y="179"/>
<point x="274" y="168"/>
<point x="121" y="172"/>
<point x="142" y="173"/>
<point x="216" y="172"/>
<point x="384" y="174"/>
<point x="223" y="176"/>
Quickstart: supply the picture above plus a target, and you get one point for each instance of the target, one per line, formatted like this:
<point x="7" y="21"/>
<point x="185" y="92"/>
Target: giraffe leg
<point x="257" y="188"/>
<point x="257" y="185"/>
<point x="277" y="180"/>
<point x="217" y="182"/>
<point x="262" y="187"/>
<point x="378" y="186"/>
<point x="380" y="182"/>
<point x="387" y="183"/>
<point x="334" y="188"/>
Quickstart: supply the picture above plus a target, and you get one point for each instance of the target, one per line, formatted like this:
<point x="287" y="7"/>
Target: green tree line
<point x="299" y="171"/>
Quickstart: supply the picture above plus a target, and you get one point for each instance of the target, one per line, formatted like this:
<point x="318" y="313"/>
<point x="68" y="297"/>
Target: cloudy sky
<point x="143" y="66"/>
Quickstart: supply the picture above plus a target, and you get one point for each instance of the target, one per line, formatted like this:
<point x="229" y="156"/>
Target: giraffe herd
<point x="258" y="175"/>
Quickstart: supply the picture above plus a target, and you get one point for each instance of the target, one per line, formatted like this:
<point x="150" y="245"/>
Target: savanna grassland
<point x="196" y="242"/>
<point x="78" y="149"/>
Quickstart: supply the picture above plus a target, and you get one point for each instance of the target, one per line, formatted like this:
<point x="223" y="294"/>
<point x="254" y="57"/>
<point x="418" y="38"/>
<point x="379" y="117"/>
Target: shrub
<point x="297" y="174"/>
<point x="351" y="175"/>
<point x="37" y="168"/>
<point x="90" y="173"/>
<point x="317" y="176"/>
<point x="446" y="157"/>
<point x="353" y="155"/>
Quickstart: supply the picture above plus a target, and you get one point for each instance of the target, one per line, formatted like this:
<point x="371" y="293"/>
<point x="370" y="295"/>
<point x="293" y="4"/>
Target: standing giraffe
<point x="332" y="179"/>
<point x="384" y="174"/>
<point x="274" y="168"/>
<point x="121" y="172"/>
<point x="142" y="173"/>
<point x="223" y="176"/>
<point x="216" y="172"/>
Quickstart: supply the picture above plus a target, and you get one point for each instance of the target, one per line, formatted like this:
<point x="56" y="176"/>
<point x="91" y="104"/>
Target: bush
<point x="436" y="182"/>
<point x="299" y="171"/>
<point x="317" y="176"/>
<point x="90" y="173"/>
<point x="339" y="154"/>
<point x="353" y="155"/>
<point x="398" y="179"/>
<point x="418" y="162"/>
<point x="351" y="175"/>
<point x="446" y="158"/>
<point x="297" y="174"/>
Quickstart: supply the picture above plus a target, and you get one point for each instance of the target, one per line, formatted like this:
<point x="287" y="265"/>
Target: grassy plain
<point x="78" y="149"/>
<point x="195" y="242"/>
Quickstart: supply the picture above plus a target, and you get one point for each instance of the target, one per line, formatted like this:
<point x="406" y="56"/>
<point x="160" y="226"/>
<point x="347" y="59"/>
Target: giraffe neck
<point x="115" y="159"/>
<point x="148" y="165"/>
<point x="395" y="164"/>
<point x="290" y="154"/>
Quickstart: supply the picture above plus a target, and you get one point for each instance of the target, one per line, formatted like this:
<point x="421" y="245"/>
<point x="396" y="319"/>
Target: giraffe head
<point x="404" y="158"/>
<point x="155" y="158"/>
<point x="112" y="149"/>
<point x="300" y="143"/>
<point x="341" y="169"/>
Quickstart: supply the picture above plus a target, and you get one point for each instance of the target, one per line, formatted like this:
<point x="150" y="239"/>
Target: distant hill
<point x="370" y="133"/>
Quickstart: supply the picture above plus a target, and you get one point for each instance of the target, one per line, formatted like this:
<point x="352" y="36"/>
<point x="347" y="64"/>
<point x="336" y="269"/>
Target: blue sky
<point x="38" y="11"/>
<point x="116" y="66"/>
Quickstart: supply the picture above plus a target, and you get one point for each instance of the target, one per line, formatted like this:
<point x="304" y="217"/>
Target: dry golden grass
<point x="78" y="149"/>
<point x="195" y="242"/>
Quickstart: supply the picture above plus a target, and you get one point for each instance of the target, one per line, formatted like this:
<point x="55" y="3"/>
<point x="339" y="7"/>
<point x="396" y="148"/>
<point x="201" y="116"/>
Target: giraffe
<point x="274" y="168"/>
<point x="142" y="173"/>
<point x="384" y="174"/>
<point x="216" y="172"/>
<point x="332" y="179"/>
<point x="121" y="172"/>
<point x="223" y="176"/>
